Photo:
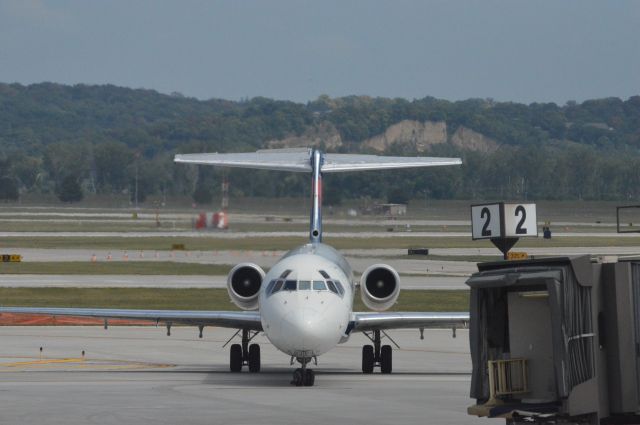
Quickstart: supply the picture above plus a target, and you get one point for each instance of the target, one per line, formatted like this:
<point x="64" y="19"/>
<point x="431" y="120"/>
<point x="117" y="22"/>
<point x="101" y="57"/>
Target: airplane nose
<point x="311" y="331"/>
<point x="303" y="323"/>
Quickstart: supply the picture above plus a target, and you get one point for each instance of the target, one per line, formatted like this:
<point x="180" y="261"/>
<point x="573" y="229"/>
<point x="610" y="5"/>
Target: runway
<point x="138" y="375"/>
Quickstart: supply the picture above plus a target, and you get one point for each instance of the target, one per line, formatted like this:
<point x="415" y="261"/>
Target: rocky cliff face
<point x="467" y="139"/>
<point x="418" y="135"/>
<point x="422" y="135"/>
<point x="325" y="132"/>
<point x="413" y="133"/>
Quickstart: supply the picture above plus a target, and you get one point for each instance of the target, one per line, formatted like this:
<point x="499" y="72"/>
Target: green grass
<point x="88" y="226"/>
<point x="126" y="225"/>
<point x="285" y="243"/>
<point x="152" y="243"/>
<point x="113" y="268"/>
<point x="469" y="258"/>
<point x="197" y="299"/>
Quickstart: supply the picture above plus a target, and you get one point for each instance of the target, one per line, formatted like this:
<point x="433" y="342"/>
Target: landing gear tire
<point x="235" y="358"/>
<point x="303" y="377"/>
<point x="367" y="359"/>
<point x="386" y="359"/>
<point x="309" y="378"/>
<point x="254" y="358"/>
<point x="297" y="378"/>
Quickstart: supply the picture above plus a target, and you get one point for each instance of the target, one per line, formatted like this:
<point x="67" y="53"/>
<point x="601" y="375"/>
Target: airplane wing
<point x="335" y="163"/>
<point x="226" y="319"/>
<point x="396" y="320"/>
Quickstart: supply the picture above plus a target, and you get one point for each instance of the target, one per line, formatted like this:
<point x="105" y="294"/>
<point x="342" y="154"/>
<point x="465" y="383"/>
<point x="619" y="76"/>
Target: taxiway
<point x="138" y="375"/>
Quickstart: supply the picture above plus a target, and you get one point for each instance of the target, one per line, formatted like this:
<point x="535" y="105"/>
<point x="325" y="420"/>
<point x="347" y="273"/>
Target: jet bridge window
<point x="290" y="285"/>
<point x="318" y="285"/>
<point x="304" y="285"/>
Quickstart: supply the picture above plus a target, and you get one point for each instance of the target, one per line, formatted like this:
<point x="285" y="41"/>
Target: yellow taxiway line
<point x="41" y="361"/>
<point x="80" y="362"/>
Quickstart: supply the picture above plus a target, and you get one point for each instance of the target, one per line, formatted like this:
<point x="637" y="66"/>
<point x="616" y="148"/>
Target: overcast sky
<point x="533" y="51"/>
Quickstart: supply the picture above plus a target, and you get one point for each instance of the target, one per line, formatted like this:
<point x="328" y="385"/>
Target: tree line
<point x="76" y="140"/>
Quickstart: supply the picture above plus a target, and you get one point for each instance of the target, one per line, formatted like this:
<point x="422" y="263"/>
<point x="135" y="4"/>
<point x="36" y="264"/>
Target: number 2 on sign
<point x="485" y="212"/>
<point x="519" y="229"/>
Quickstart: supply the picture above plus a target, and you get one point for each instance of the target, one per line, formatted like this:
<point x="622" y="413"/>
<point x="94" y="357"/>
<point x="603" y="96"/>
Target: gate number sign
<point x="502" y="220"/>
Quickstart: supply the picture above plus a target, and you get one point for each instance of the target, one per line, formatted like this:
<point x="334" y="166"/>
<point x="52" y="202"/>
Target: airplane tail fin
<point x="316" y="162"/>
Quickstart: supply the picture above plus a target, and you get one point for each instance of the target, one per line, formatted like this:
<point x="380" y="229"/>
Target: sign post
<point x="503" y="224"/>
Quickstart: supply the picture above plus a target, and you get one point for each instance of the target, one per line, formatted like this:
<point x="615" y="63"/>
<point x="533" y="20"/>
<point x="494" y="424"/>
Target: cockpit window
<point x="339" y="286"/>
<point x="285" y="274"/>
<point x="324" y="274"/>
<point x="332" y="287"/>
<point x="304" y="285"/>
<point x="318" y="285"/>
<point x="270" y="286"/>
<point x="278" y="286"/>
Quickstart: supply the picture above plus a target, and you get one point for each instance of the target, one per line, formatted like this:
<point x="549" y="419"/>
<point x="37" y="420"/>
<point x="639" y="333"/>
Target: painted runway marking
<point x="78" y="363"/>
<point x="41" y="362"/>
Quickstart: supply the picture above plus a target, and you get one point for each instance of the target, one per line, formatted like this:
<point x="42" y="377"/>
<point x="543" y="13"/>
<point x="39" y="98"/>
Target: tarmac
<point x="135" y="375"/>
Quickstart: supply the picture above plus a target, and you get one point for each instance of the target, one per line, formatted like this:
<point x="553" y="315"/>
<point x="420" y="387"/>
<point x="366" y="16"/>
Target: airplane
<point x="304" y="304"/>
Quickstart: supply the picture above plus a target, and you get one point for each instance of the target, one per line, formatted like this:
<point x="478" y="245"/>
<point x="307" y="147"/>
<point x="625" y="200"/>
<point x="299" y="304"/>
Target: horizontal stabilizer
<point x="299" y="160"/>
<point x="334" y="163"/>
<point x="275" y="159"/>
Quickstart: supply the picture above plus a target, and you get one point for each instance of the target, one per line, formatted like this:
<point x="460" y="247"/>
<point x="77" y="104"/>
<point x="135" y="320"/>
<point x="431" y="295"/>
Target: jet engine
<point x="243" y="285"/>
<point x="379" y="287"/>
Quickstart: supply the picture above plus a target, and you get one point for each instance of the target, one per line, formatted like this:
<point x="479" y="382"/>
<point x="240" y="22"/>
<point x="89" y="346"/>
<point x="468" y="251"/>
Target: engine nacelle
<point x="243" y="285"/>
<point x="379" y="287"/>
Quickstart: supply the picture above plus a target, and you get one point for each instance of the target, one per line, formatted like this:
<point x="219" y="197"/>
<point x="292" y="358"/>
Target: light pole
<point x="136" y="188"/>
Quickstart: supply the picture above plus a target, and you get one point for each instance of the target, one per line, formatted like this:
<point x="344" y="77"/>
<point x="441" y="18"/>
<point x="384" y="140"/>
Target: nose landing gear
<point x="245" y="354"/>
<point x="303" y="376"/>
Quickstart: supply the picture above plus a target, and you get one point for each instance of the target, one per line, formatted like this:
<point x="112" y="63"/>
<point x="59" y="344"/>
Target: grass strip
<point x="285" y="243"/>
<point x="114" y="268"/>
<point x="154" y="243"/>
<point x="198" y="299"/>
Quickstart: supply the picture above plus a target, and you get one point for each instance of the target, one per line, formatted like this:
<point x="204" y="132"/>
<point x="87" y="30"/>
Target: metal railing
<point x="507" y="377"/>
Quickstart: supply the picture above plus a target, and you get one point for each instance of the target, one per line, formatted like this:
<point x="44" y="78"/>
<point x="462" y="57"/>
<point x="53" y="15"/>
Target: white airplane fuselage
<point x="312" y="318"/>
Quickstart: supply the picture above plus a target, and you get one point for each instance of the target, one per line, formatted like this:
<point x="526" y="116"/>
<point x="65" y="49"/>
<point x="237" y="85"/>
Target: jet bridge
<point x="556" y="340"/>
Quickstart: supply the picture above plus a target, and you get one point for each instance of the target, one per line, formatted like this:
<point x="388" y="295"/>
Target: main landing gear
<point x="376" y="355"/>
<point x="303" y="376"/>
<point x="245" y="354"/>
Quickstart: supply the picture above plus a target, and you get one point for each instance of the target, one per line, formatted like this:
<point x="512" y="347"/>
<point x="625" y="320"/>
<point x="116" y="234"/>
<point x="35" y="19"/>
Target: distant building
<point x="390" y="210"/>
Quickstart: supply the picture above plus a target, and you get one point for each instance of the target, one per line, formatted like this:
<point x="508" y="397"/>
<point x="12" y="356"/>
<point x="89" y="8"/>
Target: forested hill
<point x="75" y="140"/>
